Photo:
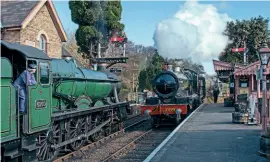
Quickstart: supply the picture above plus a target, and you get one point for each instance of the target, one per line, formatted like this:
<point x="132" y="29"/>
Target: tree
<point x="147" y="75"/>
<point x="97" y="20"/>
<point x="253" y="32"/>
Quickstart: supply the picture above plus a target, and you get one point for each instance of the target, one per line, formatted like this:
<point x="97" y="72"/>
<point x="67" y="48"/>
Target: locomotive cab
<point x="38" y="106"/>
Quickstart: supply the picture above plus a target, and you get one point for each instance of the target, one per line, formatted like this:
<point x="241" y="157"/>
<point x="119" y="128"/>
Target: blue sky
<point x="140" y="18"/>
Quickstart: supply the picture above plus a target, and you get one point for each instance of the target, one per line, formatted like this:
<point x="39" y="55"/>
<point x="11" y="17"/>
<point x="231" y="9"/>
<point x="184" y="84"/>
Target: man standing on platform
<point x="215" y="93"/>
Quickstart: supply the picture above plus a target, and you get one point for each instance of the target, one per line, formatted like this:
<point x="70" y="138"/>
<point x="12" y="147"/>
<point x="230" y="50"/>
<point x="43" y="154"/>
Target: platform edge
<point x="153" y="153"/>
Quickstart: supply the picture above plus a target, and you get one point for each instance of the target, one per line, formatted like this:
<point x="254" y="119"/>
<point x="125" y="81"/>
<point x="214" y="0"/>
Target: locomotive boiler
<point x="67" y="108"/>
<point x="75" y="87"/>
<point x="178" y="92"/>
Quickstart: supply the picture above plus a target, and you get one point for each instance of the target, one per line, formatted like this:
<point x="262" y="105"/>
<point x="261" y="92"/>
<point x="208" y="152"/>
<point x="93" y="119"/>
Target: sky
<point x="141" y="17"/>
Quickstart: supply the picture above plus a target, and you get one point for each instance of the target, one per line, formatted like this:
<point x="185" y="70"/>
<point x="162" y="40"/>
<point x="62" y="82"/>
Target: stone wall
<point x="11" y="36"/>
<point x="42" y="23"/>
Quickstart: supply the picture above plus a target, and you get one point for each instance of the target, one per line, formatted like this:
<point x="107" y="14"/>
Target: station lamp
<point x="264" y="54"/>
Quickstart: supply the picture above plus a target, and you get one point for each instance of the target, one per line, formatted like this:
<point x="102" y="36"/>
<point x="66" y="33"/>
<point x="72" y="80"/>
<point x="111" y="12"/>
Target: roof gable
<point x="20" y="13"/>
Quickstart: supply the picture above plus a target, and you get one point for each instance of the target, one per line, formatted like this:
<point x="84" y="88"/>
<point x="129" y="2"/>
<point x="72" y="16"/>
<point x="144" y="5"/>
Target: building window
<point x="43" y="43"/>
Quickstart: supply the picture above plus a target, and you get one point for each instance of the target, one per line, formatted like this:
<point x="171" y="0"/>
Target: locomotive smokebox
<point x="165" y="84"/>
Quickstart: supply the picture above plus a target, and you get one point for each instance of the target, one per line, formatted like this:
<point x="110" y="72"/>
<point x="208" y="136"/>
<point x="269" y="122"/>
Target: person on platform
<point x="215" y="93"/>
<point x="25" y="79"/>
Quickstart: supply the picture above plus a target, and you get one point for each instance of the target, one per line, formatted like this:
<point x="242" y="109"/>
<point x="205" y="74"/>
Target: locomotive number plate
<point x="40" y="104"/>
<point x="170" y="109"/>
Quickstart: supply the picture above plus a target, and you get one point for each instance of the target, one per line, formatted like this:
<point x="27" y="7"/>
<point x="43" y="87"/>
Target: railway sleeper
<point x="135" y="156"/>
<point x="132" y="153"/>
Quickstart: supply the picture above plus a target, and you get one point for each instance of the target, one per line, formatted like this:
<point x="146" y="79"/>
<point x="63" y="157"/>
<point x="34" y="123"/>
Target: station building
<point x="33" y="23"/>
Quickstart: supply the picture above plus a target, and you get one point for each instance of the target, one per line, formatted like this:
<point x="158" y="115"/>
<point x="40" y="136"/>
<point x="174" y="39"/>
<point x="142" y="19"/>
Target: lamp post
<point x="264" y="54"/>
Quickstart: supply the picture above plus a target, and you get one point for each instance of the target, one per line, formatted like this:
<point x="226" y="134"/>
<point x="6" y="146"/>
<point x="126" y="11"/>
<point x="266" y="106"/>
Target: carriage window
<point x="44" y="73"/>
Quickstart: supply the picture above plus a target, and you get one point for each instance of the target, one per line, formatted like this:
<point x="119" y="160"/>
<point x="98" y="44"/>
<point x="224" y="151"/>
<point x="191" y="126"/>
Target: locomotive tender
<point x="178" y="93"/>
<point x="68" y="107"/>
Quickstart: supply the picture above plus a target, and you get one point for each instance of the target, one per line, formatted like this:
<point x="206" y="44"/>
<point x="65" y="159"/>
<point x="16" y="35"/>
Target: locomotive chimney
<point x="101" y="67"/>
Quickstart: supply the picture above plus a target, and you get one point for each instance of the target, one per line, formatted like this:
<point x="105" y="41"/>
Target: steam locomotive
<point x="68" y="107"/>
<point x="179" y="92"/>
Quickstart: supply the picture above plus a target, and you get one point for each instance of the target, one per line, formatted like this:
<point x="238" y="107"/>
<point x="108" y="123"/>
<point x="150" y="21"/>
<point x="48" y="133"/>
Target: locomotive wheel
<point x="117" y="127"/>
<point x="95" y="122"/>
<point x="77" y="127"/>
<point x="46" y="140"/>
<point x="89" y="126"/>
<point x="108" y="130"/>
<point x="155" y="121"/>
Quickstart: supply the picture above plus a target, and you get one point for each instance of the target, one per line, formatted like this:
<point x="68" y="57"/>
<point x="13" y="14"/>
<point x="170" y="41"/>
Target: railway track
<point x="138" y="149"/>
<point x="128" y="124"/>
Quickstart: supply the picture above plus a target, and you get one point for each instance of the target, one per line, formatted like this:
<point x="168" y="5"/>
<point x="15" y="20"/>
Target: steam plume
<point x="195" y="32"/>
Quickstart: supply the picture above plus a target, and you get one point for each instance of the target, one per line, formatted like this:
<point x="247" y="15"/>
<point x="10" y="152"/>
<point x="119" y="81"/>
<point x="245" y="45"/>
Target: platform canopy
<point x="250" y="70"/>
<point x="225" y="69"/>
<point x="220" y="66"/>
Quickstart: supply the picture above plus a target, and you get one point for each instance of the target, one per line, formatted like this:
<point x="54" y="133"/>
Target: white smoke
<point x="195" y="32"/>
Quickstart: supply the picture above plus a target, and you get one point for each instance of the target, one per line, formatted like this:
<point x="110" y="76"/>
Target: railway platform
<point x="208" y="135"/>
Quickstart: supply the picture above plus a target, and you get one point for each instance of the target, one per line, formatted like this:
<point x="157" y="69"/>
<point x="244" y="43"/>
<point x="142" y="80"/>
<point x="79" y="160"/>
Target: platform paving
<point x="210" y="136"/>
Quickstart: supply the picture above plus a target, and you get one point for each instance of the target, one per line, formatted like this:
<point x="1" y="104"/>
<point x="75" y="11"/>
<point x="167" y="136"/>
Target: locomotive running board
<point x="82" y="136"/>
<point x="75" y="113"/>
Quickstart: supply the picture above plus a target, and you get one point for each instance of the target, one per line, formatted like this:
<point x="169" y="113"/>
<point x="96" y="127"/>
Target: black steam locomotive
<point x="178" y="92"/>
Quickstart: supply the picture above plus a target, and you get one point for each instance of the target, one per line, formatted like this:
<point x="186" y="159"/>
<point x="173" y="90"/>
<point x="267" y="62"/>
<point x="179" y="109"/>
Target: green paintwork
<point x="83" y="103"/>
<point x="76" y="82"/>
<point x="40" y="118"/>
<point x="6" y="69"/>
<point x="8" y="108"/>
<point x="99" y="103"/>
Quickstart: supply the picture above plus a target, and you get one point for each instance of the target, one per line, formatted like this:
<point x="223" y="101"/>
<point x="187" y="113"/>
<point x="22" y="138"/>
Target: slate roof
<point x="13" y="13"/>
<point x="27" y="51"/>
<point x="250" y="70"/>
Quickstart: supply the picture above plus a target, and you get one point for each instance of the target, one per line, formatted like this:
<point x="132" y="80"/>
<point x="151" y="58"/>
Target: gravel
<point x="104" y="150"/>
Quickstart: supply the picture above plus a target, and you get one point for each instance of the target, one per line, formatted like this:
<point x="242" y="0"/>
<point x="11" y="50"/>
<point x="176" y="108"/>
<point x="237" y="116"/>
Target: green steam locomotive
<point x="68" y="107"/>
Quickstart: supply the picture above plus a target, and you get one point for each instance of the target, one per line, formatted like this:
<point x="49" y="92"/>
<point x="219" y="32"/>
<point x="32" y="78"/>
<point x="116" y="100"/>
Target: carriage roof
<point x="27" y="51"/>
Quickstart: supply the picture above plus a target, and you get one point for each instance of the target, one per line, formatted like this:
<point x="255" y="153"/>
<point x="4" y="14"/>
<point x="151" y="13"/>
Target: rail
<point x="132" y="143"/>
<point x="68" y="156"/>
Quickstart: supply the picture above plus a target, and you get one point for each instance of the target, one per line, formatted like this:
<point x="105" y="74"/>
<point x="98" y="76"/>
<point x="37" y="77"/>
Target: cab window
<point x="32" y="62"/>
<point x="44" y="73"/>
